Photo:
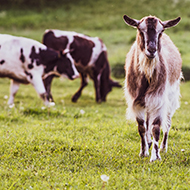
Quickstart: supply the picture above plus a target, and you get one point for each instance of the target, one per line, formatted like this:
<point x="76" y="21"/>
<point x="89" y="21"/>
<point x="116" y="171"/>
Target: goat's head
<point x="150" y="29"/>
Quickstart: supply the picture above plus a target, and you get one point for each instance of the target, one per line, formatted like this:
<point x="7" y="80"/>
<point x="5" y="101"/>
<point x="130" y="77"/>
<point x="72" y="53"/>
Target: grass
<point x="70" y="145"/>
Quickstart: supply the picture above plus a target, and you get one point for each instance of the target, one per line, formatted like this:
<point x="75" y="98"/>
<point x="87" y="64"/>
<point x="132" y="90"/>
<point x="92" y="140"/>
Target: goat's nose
<point x="152" y="50"/>
<point x="151" y="47"/>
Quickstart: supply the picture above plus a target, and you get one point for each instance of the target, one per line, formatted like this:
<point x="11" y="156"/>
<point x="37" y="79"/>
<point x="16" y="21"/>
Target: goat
<point x="153" y="74"/>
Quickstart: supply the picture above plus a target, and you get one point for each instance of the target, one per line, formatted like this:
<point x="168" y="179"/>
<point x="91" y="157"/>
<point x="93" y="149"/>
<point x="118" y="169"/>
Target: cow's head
<point x="57" y="62"/>
<point x="65" y="65"/>
<point x="150" y="30"/>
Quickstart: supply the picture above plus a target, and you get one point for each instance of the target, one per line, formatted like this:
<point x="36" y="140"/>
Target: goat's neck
<point x="145" y="65"/>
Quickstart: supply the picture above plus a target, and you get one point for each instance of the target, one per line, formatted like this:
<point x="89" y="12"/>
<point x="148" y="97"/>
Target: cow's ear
<point x="66" y="51"/>
<point x="59" y="54"/>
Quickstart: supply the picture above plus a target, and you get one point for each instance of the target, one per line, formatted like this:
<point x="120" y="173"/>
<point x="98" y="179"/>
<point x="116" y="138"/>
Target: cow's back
<point x="85" y="50"/>
<point x="15" y="56"/>
<point x="11" y="47"/>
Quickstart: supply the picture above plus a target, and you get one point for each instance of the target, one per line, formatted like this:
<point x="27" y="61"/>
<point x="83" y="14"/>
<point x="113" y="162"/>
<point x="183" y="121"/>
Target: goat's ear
<point x="130" y="21"/>
<point x="170" y="23"/>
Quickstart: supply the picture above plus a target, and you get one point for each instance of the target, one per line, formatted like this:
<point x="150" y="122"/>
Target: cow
<point x="25" y="61"/>
<point x="89" y="54"/>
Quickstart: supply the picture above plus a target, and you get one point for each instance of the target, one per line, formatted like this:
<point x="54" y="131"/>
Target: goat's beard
<point x="147" y="66"/>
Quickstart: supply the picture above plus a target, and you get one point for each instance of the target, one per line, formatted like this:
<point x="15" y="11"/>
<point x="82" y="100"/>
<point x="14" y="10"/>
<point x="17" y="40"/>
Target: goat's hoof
<point x="145" y="154"/>
<point x="152" y="159"/>
<point x="163" y="149"/>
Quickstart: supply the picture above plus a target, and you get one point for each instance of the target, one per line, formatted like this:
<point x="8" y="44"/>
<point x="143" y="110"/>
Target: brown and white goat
<point x="153" y="74"/>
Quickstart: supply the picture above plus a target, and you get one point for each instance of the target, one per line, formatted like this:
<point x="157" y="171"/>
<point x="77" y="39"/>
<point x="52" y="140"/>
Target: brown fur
<point x="153" y="71"/>
<point x="157" y="83"/>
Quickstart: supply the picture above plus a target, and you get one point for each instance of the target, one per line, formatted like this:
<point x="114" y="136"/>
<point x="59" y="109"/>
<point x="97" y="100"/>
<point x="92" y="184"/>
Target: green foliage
<point x="91" y="15"/>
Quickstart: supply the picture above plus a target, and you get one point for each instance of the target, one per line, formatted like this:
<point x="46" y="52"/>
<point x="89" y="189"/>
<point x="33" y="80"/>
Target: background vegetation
<point x="71" y="145"/>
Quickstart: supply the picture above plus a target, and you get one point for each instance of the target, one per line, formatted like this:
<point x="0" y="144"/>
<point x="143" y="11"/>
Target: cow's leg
<point x="40" y="89"/>
<point x="47" y="83"/>
<point x="83" y="84"/>
<point x="97" y="87"/>
<point x="155" y="154"/>
<point x="14" y="86"/>
<point x="142" y="132"/>
<point x="164" y="144"/>
<point x="148" y="132"/>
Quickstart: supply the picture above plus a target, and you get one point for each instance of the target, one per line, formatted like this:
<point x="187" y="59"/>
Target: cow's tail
<point x="106" y="82"/>
<point x="114" y="83"/>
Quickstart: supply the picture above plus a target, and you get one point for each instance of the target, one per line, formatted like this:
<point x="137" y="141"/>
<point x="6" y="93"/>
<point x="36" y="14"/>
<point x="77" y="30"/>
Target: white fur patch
<point x="147" y="66"/>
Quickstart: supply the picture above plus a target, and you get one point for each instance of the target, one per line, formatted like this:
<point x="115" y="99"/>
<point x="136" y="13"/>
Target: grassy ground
<point x="71" y="145"/>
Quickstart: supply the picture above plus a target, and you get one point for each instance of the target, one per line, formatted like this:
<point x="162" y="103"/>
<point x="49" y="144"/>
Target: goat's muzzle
<point x="151" y="56"/>
<point x="151" y="50"/>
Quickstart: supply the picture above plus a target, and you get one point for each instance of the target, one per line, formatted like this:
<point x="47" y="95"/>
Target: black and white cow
<point x="27" y="61"/>
<point x="89" y="54"/>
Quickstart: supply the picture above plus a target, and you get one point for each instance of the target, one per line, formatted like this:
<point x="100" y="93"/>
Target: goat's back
<point x="172" y="58"/>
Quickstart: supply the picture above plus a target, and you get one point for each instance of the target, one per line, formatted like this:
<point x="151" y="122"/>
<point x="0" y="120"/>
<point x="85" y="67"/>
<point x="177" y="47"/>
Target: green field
<point x="70" y="145"/>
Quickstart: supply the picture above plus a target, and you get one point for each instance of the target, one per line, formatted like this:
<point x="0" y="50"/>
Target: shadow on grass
<point x="36" y="112"/>
<point x="10" y="119"/>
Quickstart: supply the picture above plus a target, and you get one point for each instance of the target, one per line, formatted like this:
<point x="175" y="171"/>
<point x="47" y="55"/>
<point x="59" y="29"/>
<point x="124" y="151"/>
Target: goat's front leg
<point x="142" y="132"/>
<point x="155" y="154"/>
<point x="14" y="86"/>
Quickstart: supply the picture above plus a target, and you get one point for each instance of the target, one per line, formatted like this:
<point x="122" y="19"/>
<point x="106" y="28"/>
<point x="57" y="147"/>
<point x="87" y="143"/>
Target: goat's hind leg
<point x="142" y="132"/>
<point x="155" y="154"/>
<point x="164" y="144"/>
<point x="148" y="132"/>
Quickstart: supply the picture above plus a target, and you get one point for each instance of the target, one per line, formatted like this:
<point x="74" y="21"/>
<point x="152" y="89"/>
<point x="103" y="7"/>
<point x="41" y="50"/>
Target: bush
<point x="33" y="3"/>
<point x="118" y="71"/>
<point x="186" y="73"/>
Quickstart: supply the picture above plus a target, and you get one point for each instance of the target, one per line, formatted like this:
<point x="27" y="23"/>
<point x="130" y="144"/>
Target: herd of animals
<point x="152" y="68"/>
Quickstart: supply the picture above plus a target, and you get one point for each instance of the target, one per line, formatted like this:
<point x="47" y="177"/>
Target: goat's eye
<point x="162" y="31"/>
<point x="160" y="35"/>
